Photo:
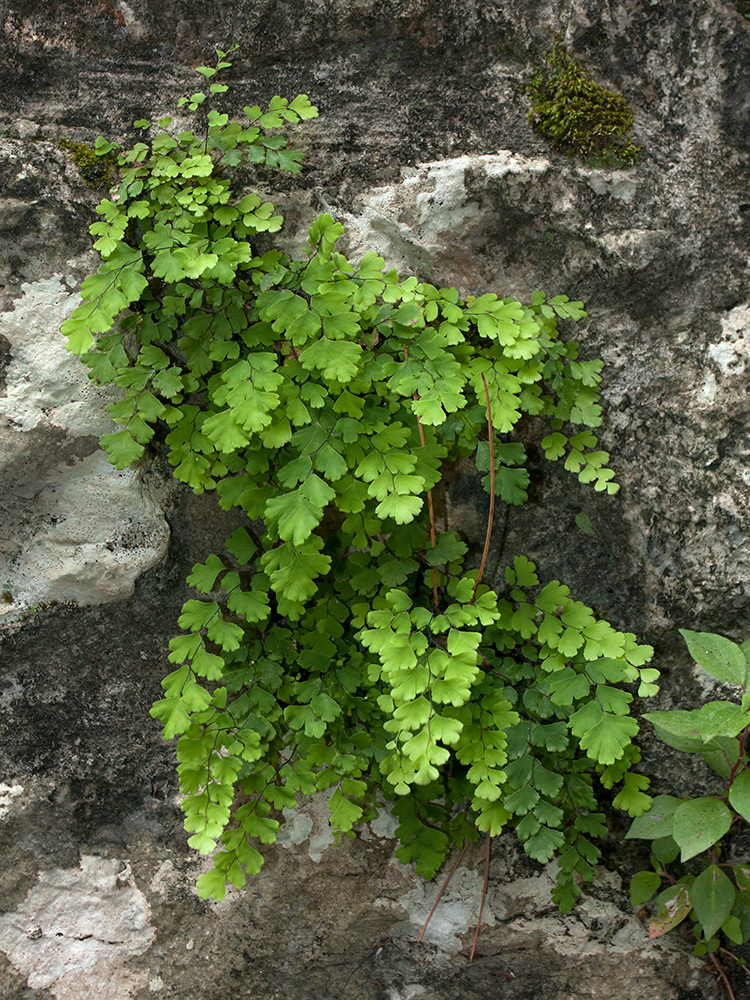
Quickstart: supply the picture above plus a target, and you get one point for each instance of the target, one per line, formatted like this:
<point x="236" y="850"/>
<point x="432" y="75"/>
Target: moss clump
<point x="576" y="114"/>
<point x="95" y="170"/>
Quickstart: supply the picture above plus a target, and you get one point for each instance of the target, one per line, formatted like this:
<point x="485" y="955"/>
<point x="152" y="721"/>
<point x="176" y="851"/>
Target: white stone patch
<point x="620" y="184"/>
<point x="594" y="927"/>
<point x="383" y="826"/>
<point x="412" y="991"/>
<point x="97" y="529"/>
<point x="430" y="204"/>
<point x="707" y="392"/>
<point x="7" y="794"/>
<point x="70" y="530"/>
<point x="457" y="910"/>
<point x="75" y="930"/>
<point x="309" y="821"/>
<point x="635" y="247"/>
<point x="45" y="383"/>
<point x="732" y="353"/>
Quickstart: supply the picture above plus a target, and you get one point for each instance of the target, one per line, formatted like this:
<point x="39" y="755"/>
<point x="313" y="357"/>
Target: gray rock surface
<point x="424" y="150"/>
<point x="73" y="528"/>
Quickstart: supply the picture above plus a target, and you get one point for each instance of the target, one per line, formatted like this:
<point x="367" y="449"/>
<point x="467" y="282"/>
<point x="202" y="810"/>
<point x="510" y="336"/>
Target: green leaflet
<point x="342" y="646"/>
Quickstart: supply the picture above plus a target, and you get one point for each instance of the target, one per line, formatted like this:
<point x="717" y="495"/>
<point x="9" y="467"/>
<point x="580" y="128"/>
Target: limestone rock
<point x="75" y="928"/>
<point x="73" y="527"/>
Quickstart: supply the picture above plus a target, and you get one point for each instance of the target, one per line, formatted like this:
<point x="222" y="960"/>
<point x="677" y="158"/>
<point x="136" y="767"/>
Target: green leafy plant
<point x="577" y="115"/>
<point x="716" y="894"/>
<point x="340" y="643"/>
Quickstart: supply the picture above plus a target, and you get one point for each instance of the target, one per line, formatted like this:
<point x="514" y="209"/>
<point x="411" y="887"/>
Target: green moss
<point x="576" y="114"/>
<point x="95" y="170"/>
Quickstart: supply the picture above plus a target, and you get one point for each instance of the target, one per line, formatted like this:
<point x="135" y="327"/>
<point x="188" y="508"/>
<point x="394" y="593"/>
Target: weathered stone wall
<point x="424" y="150"/>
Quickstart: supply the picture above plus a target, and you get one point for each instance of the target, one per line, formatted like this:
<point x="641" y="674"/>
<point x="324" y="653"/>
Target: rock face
<point x="424" y="150"/>
<point x="74" y="928"/>
<point x="73" y="527"/>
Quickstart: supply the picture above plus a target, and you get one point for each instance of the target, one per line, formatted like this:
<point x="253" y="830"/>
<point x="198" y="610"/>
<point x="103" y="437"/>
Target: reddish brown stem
<point x="484" y="893"/>
<point x="491" y="515"/>
<point x="445" y="886"/>
<point x="720" y="970"/>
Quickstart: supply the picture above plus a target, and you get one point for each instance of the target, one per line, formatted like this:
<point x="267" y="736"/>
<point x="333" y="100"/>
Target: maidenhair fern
<point x="339" y="642"/>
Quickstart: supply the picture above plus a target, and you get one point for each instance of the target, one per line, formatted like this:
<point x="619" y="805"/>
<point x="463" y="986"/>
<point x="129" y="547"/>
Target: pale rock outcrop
<point x="72" y="528"/>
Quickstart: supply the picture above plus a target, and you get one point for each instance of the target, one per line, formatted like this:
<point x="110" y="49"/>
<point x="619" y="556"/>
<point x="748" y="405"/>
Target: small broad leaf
<point x="742" y="877"/>
<point x="658" y="821"/>
<point x="665" y="850"/>
<point x="720" y="657"/>
<point x="699" y="824"/>
<point x="713" y="897"/>
<point x="739" y="794"/>
<point x="745" y="647"/>
<point x="694" y="730"/>
<point x="642" y="887"/>
<point x="721" y="754"/>
<point x="733" y="930"/>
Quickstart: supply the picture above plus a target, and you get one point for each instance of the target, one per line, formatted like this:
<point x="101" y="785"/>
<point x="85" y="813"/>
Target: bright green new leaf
<point x="296" y="515"/>
<point x="344" y="812"/>
<point x="204" y="574"/>
<point x="543" y="844"/>
<point x="212" y="884"/>
<point x="337" y="360"/>
<point x="633" y="798"/>
<point x="121" y="448"/>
